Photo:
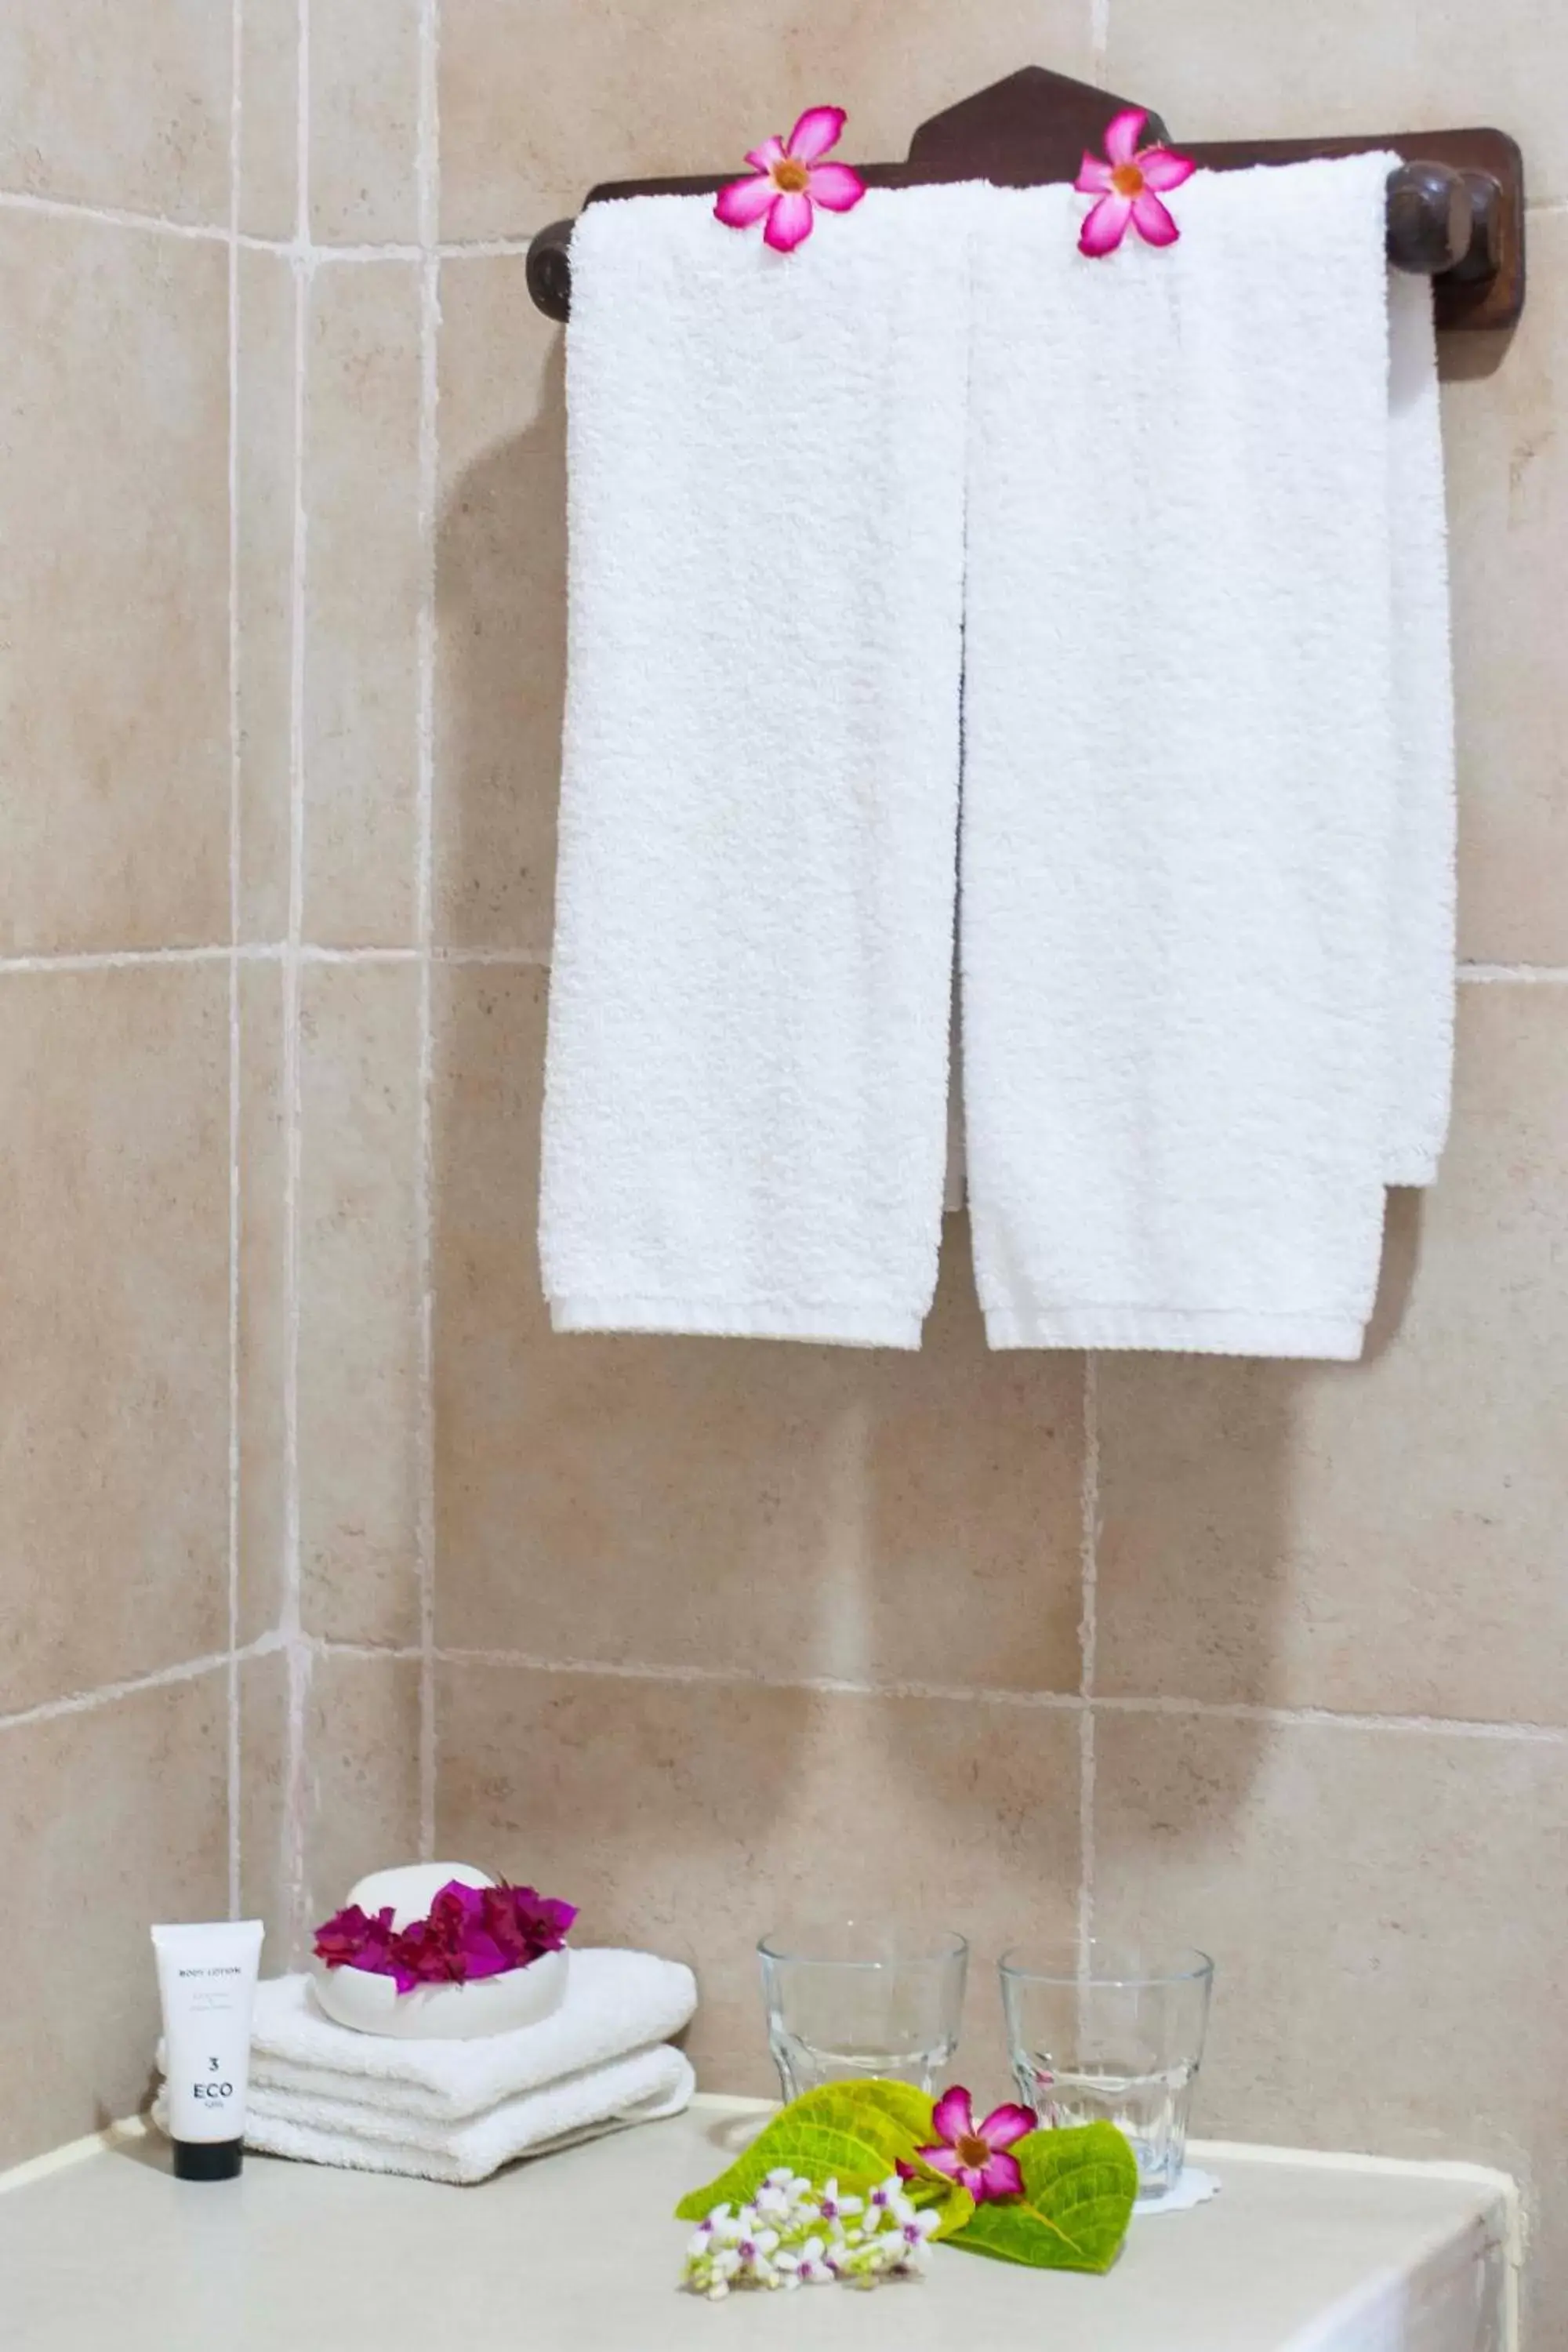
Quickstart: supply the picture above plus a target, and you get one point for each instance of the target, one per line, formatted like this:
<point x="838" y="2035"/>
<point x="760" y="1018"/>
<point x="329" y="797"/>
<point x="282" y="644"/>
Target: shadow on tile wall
<point x="688" y="1590"/>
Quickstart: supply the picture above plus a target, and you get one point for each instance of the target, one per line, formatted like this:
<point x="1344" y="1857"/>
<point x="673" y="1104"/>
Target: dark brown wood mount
<point x="1456" y="204"/>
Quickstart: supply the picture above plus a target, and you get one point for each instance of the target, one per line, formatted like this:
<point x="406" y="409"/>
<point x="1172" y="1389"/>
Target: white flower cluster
<point x="792" y="2235"/>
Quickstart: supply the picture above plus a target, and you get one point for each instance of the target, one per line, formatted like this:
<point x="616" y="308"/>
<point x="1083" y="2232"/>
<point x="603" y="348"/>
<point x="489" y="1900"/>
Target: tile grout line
<point x="266" y="951"/>
<point x="482" y="249"/>
<point x="1524" y="975"/>
<point x="428" y="159"/>
<point x="1099" y="41"/>
<point x="1052" y="1701"/>
<point x="278" y="1641"/>
<point x="235" y="99"/>
<point x="1528" y="975"/>
<point x="478" y="249"/>
<point x="1324" y="1719"/>
<point x="188" y="1670"/>
<point x="299" y="1656"/>
<point x="1089" y="1642"/>
<point x="748" y="1678"/>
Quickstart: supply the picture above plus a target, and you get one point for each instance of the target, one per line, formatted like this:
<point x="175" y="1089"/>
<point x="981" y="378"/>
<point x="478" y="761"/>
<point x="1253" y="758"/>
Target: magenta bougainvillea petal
<point x="818" y="129"/>
<point x="468" y="1933"/>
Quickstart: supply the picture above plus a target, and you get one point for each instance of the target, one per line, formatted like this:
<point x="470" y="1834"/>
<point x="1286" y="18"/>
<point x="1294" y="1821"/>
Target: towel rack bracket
<point x="1456" y="204"/>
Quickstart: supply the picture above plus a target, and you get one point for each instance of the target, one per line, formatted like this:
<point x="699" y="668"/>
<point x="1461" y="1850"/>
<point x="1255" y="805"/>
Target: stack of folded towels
<point x="456" y="2111"/>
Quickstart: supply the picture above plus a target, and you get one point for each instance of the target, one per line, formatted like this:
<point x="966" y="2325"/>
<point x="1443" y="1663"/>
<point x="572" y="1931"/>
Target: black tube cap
<point x="208" y="2160"/>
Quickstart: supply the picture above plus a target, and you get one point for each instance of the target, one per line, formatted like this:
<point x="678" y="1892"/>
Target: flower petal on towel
<point x="1163" y="171"/>
<point x="1124" y="133"/>
<point x="1151" y="221"/>
<point x="836" y="186"/>
<point x="819" y="128"/>
<point x="745" y="201"/>
<point x="1093" y="177"/>
<point x="789" y="222"/>
<point x="1106" y="223"/>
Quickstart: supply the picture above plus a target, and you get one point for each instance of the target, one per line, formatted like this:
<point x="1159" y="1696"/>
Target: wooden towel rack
<point x="1456" y="204"/>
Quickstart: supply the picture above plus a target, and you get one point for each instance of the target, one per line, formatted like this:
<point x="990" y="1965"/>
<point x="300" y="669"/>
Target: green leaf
<point x="854" y="2133"/>
<point x="1078" y="2192"/>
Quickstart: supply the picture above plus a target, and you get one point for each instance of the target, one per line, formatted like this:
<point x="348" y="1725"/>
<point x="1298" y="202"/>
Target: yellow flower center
<point x="1127" y="180"/>
<point x="793" y="179"/>
<point x="972" y="2151"/>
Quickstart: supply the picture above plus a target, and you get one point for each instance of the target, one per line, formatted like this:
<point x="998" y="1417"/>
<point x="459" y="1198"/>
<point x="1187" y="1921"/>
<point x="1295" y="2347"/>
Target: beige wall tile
<point x="262" y="1327"/>
<point x="270" y="138"/>
<point x="114" y="776"/>
<point x="1386" y="1536"/>
<point x="1508" y="508"/>
<point x="1228" y="69"/>
<point x="1387" y="1914"/>
<point x="501" y="609"/>
<point x="116" y="1817"/>
<point x="693" y="1818"/>
<point x="361" y="1783"/>
<point x="127" y="105"/>
<point x="359" y="1301"/>
<point x="631" y="93"/>
<point x="265" y="1857"/>
<point x="264" y="586"/>
<point x="861" y="1514"/>
<point x="365" y="121"/>
<point x="114" y="1287"/>
<point x="362" y="585"/>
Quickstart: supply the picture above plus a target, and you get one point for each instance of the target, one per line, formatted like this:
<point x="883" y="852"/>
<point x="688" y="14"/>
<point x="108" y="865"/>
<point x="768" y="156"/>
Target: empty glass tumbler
<point x="850" y="1998"/>
<point x="1108" y="2033"/>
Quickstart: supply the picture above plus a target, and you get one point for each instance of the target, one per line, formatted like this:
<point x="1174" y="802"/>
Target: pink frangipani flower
<point x="791" y="179"/>
<point x="977" y="2154"/>
<point x="1128" y="180"/>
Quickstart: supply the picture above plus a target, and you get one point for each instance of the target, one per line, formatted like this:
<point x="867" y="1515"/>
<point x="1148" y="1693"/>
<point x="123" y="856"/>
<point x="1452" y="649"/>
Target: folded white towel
<point x="1179" y="769"/>
<point x="616" y="2002"/>
<point x="744" y="1119"/>
<point x="1422" y="867"/>
<point x="643" y="2088"/>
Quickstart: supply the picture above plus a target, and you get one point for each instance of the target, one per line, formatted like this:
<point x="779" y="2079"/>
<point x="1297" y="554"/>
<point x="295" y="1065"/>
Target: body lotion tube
<point x="206" y="1976"/>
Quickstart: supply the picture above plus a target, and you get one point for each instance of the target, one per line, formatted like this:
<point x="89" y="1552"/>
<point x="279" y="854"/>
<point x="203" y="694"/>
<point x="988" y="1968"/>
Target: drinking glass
<point x="1108" y="2033"/>
<point x="851" y="1998"/>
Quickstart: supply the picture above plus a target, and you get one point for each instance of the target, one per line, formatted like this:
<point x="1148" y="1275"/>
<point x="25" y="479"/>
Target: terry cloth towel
<point x="748" y="1047"/>
<point x="616" y="2002"/>
<point x="1422" y="867"/>
<point x="1179" y="769"/>
<point x="643" y="2088"/>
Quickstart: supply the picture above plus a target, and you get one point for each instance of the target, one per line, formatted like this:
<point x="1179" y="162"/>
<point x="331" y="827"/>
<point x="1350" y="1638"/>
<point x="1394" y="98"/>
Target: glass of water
<point x="852" y="1998"/>
<point x="1108" y="2033"/>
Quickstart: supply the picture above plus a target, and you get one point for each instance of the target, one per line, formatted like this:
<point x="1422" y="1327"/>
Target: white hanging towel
<point x="743" y="1123"/>
<point x="1422" y="869"/>
<point x="1180" y="789"/>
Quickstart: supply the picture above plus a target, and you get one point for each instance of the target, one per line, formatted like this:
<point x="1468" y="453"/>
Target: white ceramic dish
<point x="450" y="2012"/>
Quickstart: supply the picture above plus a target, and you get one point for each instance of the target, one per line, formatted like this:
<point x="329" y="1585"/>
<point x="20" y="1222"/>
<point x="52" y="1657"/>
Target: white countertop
<point x="577" y="2251"/>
